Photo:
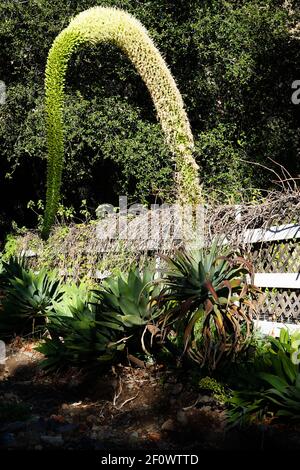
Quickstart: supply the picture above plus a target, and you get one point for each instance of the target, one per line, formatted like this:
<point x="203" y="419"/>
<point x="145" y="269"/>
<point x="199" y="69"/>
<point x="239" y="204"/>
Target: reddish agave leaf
<point x="209" y="286"/>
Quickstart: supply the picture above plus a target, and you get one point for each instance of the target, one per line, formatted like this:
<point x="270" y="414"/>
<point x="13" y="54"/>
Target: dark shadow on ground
<point x="125" y="409"/>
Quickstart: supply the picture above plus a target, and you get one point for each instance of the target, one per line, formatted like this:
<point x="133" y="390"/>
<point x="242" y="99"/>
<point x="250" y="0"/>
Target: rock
<point x="206" y="399"/>
<point x="154" y="436"/>
<point x="168" y="426"/>
<point x="38" y="447"/>
<point x="182" y="418"/>
<point x="177" y="389"/>
<point x="133" y="436"/>
<point x="53" y="440"/>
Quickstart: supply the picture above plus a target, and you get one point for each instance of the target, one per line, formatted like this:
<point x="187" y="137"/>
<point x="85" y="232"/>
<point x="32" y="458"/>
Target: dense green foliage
<point x="271" y="384"/>
<point x="234" y="63"/>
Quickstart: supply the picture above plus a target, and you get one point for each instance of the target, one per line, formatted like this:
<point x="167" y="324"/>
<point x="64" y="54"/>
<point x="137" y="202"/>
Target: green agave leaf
<point x="124" y="289"/>
<point x="105" y="358"/>
<point x="111" y="325"/>
<point x="128" y="307"/>
<point x="130" y="320"/>
<point x="290" y="369"/>
<point x="285" y="413"/>
<point x="277" y="382"/>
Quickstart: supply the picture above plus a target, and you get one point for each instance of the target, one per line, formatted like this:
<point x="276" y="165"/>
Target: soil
<point x="129" y="407"/>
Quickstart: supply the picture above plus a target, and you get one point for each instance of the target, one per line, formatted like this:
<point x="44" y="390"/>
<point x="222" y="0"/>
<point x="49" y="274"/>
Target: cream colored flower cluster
<point x="102" y="25"/>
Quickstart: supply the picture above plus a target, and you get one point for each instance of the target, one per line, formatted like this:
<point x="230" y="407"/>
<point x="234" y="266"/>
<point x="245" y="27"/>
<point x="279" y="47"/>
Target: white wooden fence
<point x="286" y="282"/>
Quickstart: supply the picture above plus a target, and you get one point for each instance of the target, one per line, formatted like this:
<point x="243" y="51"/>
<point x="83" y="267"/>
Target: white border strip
<point x="280" y="232"/>
<point x="273" y="328"/>
<point x="277" y="280"/>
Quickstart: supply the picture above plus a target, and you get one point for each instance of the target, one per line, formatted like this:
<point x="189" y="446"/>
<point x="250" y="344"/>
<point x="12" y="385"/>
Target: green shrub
<point x="211" y="385"/>
<point x="28" y="298"/>
<point x="272" y="384"/>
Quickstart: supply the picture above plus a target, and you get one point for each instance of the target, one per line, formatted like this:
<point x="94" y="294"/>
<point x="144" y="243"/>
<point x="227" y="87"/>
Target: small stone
<point x="134" y="436"/>
<point x="38" y="447"/>
<point x="182" y="418"/>
<point x="168" y="426"/>
<point x="154" y="436"/>
<point x="206" y="399"/>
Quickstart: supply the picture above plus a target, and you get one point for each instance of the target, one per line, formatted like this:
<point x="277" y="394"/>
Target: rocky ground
<point x="128" y="408"/>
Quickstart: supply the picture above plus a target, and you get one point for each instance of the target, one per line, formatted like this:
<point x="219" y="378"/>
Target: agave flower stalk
<point x="112" y="25"/>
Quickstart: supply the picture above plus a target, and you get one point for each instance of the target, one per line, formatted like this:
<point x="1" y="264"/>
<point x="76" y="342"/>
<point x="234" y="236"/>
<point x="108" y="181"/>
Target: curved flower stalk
<point x="102" y="25"/>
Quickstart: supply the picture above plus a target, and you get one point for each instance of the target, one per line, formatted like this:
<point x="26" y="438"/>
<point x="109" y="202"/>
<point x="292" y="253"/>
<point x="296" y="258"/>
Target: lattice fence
<point x="280" y="305"/>
<point x="275" y="255"/>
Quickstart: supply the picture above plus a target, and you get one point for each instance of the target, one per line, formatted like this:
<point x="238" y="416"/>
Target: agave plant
<point x="80" y="334"/>
<point x="209" y="299"/>
<point x="29" y="297"/>
<point x="131" y="297"/>
<point x="11" y="269"/>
